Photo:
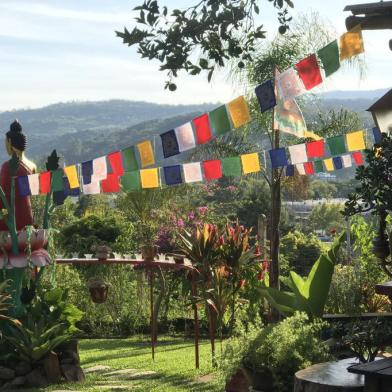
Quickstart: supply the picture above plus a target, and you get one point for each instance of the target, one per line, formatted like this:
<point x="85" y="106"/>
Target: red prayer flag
<point x="44" y="182"/>
<point x="115" y="160"/>
<point x="358" y="158"/>
<point x="315" y="149"/>
<point x="202" y="129"/>
<point x="309" y="71"/>
<point x="111" y="184"/>
<point x="212" y="169"/>
<point x="309" y="169"/>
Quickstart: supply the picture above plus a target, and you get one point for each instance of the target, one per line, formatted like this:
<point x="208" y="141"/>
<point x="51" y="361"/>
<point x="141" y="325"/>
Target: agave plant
<point x="5" y="299"/>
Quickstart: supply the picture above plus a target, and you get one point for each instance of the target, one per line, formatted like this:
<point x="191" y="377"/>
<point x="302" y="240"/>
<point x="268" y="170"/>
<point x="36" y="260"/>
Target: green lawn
<point x="174" y="366"/>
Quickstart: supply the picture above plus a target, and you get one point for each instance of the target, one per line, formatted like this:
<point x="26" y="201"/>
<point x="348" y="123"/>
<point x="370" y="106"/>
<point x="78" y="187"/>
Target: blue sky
<point x="59" y="51"/>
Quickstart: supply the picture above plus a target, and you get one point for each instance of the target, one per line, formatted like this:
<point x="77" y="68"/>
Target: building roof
<point x="384" y="103"/>
<point x="382" y="8"/>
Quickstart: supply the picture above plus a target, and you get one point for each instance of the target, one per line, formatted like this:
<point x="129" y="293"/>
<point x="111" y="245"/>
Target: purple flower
<point x="191" y="215"/>
<point x="203" y="210"/>
<point x="180" y="223"/>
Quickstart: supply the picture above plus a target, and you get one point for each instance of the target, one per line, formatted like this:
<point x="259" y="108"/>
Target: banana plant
<point x="310" y="294"/>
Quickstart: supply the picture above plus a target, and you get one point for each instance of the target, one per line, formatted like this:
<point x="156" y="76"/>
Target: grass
<point x="174" y="365"/>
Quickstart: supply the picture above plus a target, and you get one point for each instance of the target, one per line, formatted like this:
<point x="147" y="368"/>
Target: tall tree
<point x="201" y="37"/>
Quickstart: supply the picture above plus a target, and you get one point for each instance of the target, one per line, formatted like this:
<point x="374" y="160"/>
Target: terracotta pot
<point x="149" y="252"/>
<point x="238" y="382"/>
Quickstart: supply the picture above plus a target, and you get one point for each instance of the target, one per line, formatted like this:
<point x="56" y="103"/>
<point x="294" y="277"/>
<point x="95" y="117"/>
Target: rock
<point x="52" y="368"/>
<point x="6" y="373"/>
<point x="15" y="383"/>
<point x="36" y="378"/>
<point x="72" y="372"/>
<point x="131" y="374"/>
<point x="68" y="357"/>
<point x="22" y="368"/>
<point x="238" y="382"/>
<point x="97" y="369"/>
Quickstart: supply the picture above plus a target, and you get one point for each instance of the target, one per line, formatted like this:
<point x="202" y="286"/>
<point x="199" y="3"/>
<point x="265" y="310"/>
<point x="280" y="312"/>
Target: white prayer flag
<point x="192" y="172"/>
<point x="91" y="189"/>
<point x="34" y="183"/>
<point x="301" y="169"/>
<point x="298" y="153"/>
<point x="100" y="169"/>
<point x="185" y="137"/>
<point x="346" y="159"/>
<point x="289" y="85"/>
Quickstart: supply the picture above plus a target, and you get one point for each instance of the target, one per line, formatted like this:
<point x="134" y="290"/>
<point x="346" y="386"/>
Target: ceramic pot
<point x="149" y="252"/>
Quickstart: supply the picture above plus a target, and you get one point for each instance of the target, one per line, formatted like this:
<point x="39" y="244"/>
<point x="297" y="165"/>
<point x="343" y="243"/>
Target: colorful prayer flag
<point x="192" y="172"/>
<point x="202" y="129"/>
<point x="72" y="175"/>
<point x="265" y="94"/>
<point x="34" y="183"/>
<point x="169" y="144"/>
<point x="231" y="167"/>
<point x="278" y="157"/>
<point x="149" y="178"/>
<point x="329" y="56"/>
<point x="309" y="72"/>
<point x="57" y="180"/>
<point x="290" y="171"/>
<point x="355" y="141"/>
<point x="309" y="169"/>
<point x="185" y="138"/>
<point x="68" y="191"/>
<point x="315" y="149"/>
<point x="23" y="186"/>
<point x="337" y="163"/>
<point x="172" y="175"/>
<point x="377" y="135"/>
<point x="146" y="153"/>
<point x="358" y="158"/>
<point x="329" y="164"/>
<point x="318" y="166"/>
<point x="115" y="160"/>
<point x="336" y="145"/>
<point x="87" y="172"/>
<point x="130" y="181"/>
<point x="298" y="153"/>
<point x="239" y="112"/>
<point x="250" y="163"/>
<point x="346" y="160"/>
<point x="212" y="169"/>
<point x="44" y="182"/>
<point x="300" y="168"/>
<point x="219" y="119"/>
<point x="289" y="85"/>
<point x="111" y="184"/>
<point x="100" y="169"/>
<point x="93" y="188"/>
<point x="129" y="159"/>
<point x="351" y="43"/>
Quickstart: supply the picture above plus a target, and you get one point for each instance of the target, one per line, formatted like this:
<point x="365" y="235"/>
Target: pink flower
<point x="180" y="223"/>
<point x="203" y="210"/>
<point x="191" y="215"/>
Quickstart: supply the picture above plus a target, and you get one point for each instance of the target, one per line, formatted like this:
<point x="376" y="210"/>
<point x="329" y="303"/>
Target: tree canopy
<point x="200" y="37"/>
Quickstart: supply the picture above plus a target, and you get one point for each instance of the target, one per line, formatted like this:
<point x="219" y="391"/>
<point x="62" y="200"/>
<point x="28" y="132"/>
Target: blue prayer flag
<point x="24" y="186"/>
<point x="169" y="144"/>
<point x="87" y="171"/>
<point x="278" y="157"/>
<point x="337" y="162"/>
<point x="172" y="175"/>
<point x="290" y="171"/>
<point x="377" y="135"/>
<point x="265" y="94"/>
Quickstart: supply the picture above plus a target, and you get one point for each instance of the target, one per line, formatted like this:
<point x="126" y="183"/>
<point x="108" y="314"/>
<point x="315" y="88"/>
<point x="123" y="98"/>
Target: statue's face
<point x="8" y="146"/>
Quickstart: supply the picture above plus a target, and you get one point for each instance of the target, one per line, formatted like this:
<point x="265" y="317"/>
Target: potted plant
<point x="147" y="233"/>
<point x="98" y="289"/>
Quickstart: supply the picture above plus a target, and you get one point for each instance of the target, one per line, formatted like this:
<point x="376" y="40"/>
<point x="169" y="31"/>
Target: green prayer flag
<point x="130" y="181"/>
<point x="231" y="167"/>
<point x="219" y="119"/>
<point x="318" y="166"/>
<point x="329" y="56"/>
<point x="57" y="180"/>
<point x="129" y="159"/>
<point x="336" y="145"/>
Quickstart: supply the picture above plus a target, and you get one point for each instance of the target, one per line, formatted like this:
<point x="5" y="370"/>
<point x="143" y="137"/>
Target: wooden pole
<point x="152" y="326"/>
<point x="196" y="319"/>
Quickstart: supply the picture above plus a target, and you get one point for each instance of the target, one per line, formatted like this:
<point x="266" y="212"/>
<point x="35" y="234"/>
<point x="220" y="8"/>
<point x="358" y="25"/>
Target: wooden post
<point x="261" y="231"/>
<point x="196" y="319"/>
<point x="152" y="326"/>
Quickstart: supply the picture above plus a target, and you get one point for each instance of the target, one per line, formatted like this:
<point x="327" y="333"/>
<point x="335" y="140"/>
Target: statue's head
<point x="15" y="139"/>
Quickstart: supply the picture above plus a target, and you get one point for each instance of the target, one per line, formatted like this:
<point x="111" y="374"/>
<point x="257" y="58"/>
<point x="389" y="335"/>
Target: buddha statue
<point x="15" y="144"/>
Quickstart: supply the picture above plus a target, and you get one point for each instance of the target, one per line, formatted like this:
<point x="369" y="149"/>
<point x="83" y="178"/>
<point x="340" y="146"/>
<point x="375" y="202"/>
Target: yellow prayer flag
<point x="149" y="178"/>
<point x="239" y="112"/>
<point x="355" y="141"/>
<point x="329" y="164"/>
<point x="351" y="43"/>
<point x="146" y="153"/>
<point x="250" y="163"/>
<point x="72" y="175"/>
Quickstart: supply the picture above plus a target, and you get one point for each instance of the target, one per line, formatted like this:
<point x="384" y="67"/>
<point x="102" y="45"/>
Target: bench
<point x="378" y="375"/>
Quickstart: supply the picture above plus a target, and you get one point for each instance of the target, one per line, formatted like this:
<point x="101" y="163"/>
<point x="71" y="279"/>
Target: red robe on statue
<point x="23" y="211"/>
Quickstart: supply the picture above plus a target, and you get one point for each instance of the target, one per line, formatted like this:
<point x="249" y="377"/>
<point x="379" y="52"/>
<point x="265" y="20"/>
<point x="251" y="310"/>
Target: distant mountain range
<point x="84" y="130"/>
